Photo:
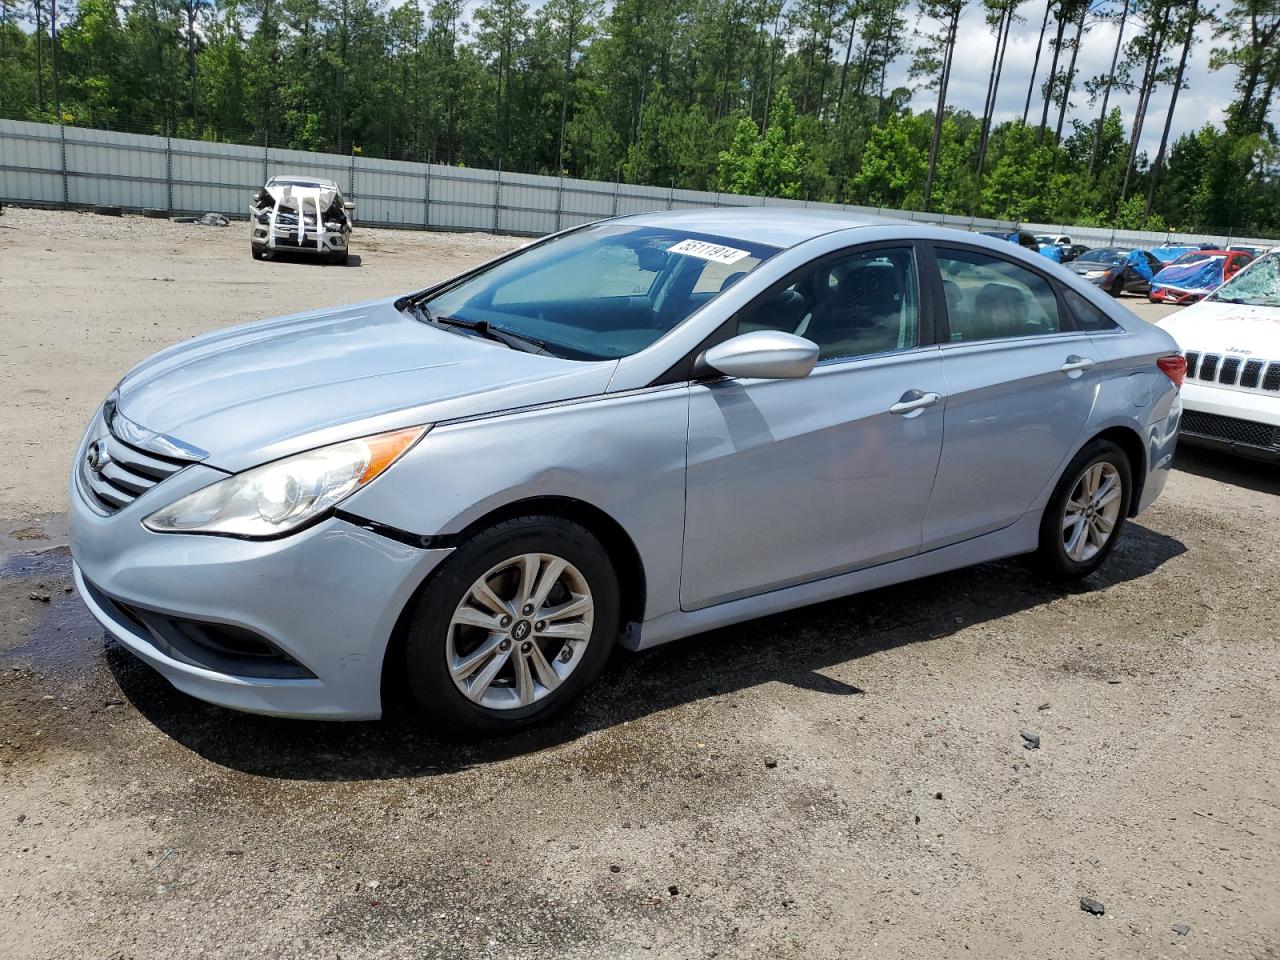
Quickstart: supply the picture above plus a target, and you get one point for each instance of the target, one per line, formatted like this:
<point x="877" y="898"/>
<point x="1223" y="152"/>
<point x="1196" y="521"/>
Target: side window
<point x="1087" y="316"/>
<point x="862" y="304"/>
<point x="990" y="299"/>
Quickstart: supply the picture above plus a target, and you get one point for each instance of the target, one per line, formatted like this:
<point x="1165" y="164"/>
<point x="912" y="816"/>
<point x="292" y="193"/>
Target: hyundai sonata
<point x="628" y="432"/>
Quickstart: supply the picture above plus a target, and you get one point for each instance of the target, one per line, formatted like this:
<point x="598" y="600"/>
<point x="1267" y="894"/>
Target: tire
<point x="108" y="211"/>
<point x="339" y="259"/>
<point x="1117" y="288"/>
<point x="434" y="636"/>
<point x="259" y="253"/>
<point x="1059" y="554"/>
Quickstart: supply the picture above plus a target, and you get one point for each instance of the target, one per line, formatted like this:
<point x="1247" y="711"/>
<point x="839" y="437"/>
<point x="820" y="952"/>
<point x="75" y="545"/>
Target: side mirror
<point x="762" y="354"/>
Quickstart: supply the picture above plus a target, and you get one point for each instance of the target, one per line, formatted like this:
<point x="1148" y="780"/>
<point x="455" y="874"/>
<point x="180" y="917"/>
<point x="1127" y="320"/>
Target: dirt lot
<point x="844" y="781"/>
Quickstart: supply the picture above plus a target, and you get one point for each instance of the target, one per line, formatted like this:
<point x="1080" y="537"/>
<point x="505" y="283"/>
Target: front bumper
<point x="1233" y="421"/>
<point x="327" y="597"/>
<point x="285" y="238"/>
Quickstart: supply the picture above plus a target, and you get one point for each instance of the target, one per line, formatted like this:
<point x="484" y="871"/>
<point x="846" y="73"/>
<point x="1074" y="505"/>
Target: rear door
<point x="1020" y="385"/>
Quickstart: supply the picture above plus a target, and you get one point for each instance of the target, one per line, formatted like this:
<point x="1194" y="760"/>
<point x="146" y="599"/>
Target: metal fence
<point x="77" y="167"/>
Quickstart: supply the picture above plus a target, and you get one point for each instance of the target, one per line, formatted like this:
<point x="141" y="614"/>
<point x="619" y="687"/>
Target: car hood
<point x="253" y="393"/>
<point x="1218" y="327"/>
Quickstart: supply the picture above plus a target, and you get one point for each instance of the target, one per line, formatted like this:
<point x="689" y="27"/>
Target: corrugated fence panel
<point x="218" y="177"/>
<point x="529" y="204"/>
<point x="116" y="169"/>
<point x="633" y="198"/>
<point x="390" y="192"/>
<point x="30" y="162"/>
<point x="463" y="199"/>
<point x="192" y="176"/>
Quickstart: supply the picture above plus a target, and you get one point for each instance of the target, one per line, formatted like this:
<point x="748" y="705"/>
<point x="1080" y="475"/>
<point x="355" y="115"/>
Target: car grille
<point x="1231" y="429"/>
<point x="123" y="474"/>
<point x="1232" y="371"/>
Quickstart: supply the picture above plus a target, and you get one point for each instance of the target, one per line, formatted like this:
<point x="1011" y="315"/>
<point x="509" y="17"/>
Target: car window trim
<point x="682" y="370"/>
<point x="1116" y="327"/>
<point x="1066" y="319"/>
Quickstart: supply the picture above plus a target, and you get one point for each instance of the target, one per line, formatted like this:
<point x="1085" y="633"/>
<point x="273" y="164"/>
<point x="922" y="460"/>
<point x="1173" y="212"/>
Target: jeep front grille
<point x="1234" y="371"/>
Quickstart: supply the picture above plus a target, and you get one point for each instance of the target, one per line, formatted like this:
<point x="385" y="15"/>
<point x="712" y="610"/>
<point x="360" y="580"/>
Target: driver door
<point x="790" y="481"/>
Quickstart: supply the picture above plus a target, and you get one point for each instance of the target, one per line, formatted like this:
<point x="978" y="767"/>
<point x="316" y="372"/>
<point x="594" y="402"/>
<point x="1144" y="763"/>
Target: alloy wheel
<point x="1092" y="511"/>
<point x="520" y="631"/>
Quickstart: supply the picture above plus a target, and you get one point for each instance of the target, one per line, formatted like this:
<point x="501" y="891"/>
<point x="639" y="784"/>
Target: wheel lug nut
<point x="566" y="655"/>
<point x="505" y="621"/>
<point x="504" y="645"/>
<point x="526" y="647"/>
<point x="540" y="625"/>
<point x="528" y="609"/>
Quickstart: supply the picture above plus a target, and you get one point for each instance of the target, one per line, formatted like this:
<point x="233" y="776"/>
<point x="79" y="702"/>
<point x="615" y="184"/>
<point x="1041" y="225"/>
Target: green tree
<point x="771" y="164"/>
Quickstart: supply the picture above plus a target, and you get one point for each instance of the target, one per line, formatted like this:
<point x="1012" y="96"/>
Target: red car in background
<point x="1196" y="274"/>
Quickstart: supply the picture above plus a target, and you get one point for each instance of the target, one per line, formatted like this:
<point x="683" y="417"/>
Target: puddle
<point x="54" y="562"/>
<point x="44" y="628"/>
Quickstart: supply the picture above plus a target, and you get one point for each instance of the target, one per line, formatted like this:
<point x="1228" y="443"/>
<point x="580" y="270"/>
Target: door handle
<point x="913" y="403"/>
<point x="1076" y="365"/>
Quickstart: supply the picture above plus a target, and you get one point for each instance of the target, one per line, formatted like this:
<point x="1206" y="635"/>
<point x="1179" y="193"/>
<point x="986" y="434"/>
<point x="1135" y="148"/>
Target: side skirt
<point x="1021" y="537"/>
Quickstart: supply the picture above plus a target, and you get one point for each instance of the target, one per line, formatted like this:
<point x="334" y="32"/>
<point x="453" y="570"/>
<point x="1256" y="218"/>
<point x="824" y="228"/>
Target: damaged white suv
<point x="300" y="215"/>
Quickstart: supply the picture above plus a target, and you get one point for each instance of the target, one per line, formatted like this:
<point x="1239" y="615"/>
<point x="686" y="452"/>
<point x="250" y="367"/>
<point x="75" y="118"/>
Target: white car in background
<point x="297" y="214"/>
<point x="1231" y="339"/>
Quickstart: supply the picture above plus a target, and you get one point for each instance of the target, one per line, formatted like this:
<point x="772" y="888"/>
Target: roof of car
<point x="300" y="180"/>
<point x="775" y="226"/>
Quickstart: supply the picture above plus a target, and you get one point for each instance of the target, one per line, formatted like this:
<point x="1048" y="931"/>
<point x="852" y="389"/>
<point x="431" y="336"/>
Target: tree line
<point x="788" y="98"/>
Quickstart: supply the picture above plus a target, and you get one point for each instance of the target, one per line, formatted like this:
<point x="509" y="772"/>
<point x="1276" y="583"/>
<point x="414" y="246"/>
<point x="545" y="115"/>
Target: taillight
<point x="1175" y="368"/>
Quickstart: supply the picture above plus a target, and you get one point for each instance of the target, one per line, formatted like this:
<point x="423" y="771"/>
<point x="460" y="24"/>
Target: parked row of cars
<point x="1172" y="274"/>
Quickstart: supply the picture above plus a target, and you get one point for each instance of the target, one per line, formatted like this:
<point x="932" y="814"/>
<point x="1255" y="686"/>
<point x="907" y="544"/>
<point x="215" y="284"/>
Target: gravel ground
<point x="848" y="780"/>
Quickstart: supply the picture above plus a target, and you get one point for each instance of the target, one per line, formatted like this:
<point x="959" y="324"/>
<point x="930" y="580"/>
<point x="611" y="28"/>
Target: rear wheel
<point x="514" y="626"/>
<point x="1087" y="511"/>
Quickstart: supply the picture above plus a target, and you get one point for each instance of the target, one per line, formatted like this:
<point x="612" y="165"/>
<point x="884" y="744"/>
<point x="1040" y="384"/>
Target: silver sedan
<point x="628" y="433"/>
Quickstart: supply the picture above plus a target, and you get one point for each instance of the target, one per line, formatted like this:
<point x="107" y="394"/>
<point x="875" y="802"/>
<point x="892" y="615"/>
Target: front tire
<point x="1086" y="512"/>
<point x="259" y="252"/>
<point x="514" y="625"/>
<point x="1117" y="288"/>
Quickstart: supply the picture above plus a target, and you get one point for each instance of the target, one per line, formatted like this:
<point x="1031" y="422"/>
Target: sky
<point x="1203" y="99"/>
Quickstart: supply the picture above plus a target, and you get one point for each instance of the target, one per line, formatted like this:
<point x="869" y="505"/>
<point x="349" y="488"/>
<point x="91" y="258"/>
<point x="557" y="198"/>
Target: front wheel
<point x="514" y="626"/>
<point x="1087" y="511"/>
<point x="1117" y="287"/>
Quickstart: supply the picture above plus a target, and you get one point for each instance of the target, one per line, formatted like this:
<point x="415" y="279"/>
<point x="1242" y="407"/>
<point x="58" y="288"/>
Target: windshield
<point x="1105" y="255"/>
<point x="1257" y="285"/>
<point x="604" y="291"/>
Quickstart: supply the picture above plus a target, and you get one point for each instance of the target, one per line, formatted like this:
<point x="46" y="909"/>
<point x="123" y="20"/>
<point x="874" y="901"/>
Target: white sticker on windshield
<point x="708" y="251"/>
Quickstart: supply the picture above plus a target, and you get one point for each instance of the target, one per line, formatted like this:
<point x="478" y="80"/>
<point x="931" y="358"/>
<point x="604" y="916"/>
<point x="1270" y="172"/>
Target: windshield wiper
<point x="516" y="341"/>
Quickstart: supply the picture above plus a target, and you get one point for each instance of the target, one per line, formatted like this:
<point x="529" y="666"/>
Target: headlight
<point x="278" y="497"/>
<point x="1097" y="273"/>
